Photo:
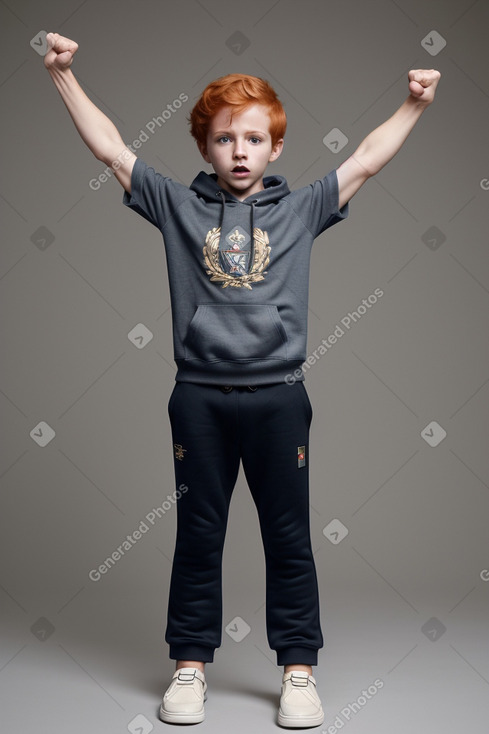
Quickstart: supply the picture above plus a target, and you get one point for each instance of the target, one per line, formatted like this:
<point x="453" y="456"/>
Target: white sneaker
<point x="300" y="705"/>
<point x="183" y="701"/>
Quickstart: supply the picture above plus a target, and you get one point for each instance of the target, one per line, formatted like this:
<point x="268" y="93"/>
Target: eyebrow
<point x="248" y="132"/>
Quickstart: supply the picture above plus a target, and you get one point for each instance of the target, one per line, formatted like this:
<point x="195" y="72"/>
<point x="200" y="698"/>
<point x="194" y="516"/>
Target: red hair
<point x="237" y="91"/>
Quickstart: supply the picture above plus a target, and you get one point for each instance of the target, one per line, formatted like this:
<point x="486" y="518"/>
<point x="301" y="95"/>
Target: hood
<point x="205" y="184"/>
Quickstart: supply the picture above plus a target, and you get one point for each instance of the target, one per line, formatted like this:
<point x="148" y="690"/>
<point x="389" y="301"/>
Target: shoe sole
<point x="174" y="718"/>
<point x="298" y="722"/>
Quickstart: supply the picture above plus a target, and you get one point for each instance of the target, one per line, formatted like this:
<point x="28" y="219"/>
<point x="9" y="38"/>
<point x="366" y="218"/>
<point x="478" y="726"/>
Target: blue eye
<point x="223" y="139"/>
<point x="255" y="140"/>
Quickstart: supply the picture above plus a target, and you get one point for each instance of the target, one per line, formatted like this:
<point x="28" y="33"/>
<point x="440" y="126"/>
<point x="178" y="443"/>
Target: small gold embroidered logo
<point x="179" y="451"/>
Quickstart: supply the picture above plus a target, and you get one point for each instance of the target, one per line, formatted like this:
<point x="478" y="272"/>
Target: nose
<point x="239" y="149"/>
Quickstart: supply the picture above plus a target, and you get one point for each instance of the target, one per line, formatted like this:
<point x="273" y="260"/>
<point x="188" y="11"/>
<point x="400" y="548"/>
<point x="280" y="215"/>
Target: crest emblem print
<point x="237" y="259"/>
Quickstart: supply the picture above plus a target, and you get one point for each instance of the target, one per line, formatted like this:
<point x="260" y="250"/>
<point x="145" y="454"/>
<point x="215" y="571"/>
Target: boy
<point x="238" y="248"/>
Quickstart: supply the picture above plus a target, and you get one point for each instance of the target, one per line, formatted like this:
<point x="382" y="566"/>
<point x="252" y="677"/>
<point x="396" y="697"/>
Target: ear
<point x="203" y="152"/>
<point x="276" y="150"/>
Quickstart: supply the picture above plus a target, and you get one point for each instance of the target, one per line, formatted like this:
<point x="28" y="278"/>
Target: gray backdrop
<point x="399" y="470"/>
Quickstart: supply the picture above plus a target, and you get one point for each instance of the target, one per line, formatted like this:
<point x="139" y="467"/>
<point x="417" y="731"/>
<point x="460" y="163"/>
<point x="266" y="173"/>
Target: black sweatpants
<point x="213" y="428"/>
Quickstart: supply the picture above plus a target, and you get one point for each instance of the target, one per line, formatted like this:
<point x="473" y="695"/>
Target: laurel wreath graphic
<point x="257" y="272"/>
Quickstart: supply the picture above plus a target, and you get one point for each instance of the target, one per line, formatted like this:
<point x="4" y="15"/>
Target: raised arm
<point x="96" y="130"/>
<point x="381" y="145"/>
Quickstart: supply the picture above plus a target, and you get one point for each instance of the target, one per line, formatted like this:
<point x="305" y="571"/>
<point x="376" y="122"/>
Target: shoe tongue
<point x="299" y="678"/>
<point x="187" y="674"/>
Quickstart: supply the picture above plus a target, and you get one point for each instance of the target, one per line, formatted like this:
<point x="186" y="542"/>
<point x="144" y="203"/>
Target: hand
<point x="422" y="84"/>
<point x="61" y="52"/>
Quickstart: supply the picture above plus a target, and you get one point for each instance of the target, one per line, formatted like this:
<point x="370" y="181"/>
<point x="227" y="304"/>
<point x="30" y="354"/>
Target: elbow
<point x="104" y="157"/>
<point x="367" y="163"/>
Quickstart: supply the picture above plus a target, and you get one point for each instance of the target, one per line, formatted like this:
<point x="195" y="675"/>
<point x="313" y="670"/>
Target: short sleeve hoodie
<point x="238" y="271"/>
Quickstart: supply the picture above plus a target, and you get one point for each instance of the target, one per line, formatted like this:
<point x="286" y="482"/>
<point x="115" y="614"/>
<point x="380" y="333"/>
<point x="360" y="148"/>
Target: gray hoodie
<point x="238" y="271"/>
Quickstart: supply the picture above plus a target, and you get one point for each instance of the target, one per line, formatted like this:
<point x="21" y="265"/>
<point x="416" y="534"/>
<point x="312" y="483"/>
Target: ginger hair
<point x="237" y="91"/>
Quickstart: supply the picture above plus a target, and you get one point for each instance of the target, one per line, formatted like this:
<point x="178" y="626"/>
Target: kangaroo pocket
<point x="230" y="332"/>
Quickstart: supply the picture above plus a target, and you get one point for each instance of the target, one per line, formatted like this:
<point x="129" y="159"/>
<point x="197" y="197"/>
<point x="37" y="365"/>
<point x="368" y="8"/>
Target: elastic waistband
<point x="259" y="372"/>
<point x="228" y="388"/>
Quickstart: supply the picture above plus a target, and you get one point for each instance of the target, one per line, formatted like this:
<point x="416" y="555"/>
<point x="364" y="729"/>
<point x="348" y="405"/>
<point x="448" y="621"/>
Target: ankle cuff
<point x="297" y="656"/>
<point x="192" y="652"/>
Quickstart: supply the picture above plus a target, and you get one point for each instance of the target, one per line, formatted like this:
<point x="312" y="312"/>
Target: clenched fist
<point x="61" y="52"/>
<point x="422" y="84"/>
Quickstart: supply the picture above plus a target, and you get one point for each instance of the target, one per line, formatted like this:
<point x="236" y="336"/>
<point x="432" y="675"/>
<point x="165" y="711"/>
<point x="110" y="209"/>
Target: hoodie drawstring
<point x="252" y="225"/>
<point x="222" y="196"/>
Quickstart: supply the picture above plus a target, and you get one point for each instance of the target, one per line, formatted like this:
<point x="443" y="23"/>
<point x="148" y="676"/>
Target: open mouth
<point x="240" y="170"/>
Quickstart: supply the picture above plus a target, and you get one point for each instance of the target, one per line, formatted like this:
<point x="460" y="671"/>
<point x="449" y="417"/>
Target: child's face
<point x="239" y="151"/>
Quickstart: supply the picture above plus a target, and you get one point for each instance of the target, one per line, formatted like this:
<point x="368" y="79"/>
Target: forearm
<point x="96" y="129"/>
<point x="382" y="144"/>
